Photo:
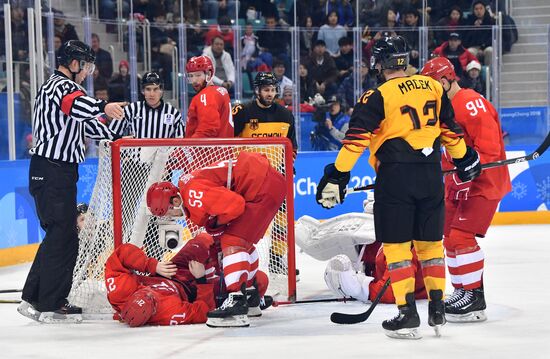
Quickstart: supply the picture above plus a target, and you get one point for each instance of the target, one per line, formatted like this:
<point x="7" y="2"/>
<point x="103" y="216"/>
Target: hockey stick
<point x="307" y="301"/>
<point x="343" y="318"/>
<point x="9" y="301"/>
<point x="10" y="290"/>
<point x="533" y="156"/>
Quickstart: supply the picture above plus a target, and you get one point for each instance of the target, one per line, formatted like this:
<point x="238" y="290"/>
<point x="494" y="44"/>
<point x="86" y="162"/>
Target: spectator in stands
<point x="479" y="40"/>
<point x="224" y="69"/>
<point x="473" y="79"/>
<point x="331" y="32"/>
<point x="119" y="86"/>
<point x="101" y="92"/>
<point x="307" y="36"/>
<point x="211" y="9"/>
<point x="286" y="101"/>
<point x="448" y="24"/>
<point x="103" y="59"/>
<point x="369" y="12"/>
<point x="389" y="19"/>
<point x="346" y="88"/>
<point x="19" y="34"/>
<point x="331" y="126"/>
<point x="322" y="70"/>
<point x="274" y="40"/>
<point x="343" y="9"/>
<point x="223" y="30"/>
<point x="249" y="9"/>
<point x="99" y="80"/>
<point x="56" y="45"/>
<point x="249" y="47"/>
<point x="344" y="57"/>
<point x="306" y="85"/>
<point x="279" y="72"/>
<point x="62" y="29"/>
<point x="410" y="32"/>
<point x="456" y="53"/>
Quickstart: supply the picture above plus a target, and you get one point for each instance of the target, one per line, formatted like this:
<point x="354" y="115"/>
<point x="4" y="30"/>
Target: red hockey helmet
<point x="439" y="68"/>
<point x="200" y="63"/>
<point x="159" y="196"/>
<point x="139" y="308"/>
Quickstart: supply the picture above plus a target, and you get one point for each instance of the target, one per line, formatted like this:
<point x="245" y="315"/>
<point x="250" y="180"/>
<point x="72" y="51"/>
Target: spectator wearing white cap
<point x="472" y="78"/>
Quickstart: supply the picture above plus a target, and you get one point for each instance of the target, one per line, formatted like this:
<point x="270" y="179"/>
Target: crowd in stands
<point x="459" y="30"/>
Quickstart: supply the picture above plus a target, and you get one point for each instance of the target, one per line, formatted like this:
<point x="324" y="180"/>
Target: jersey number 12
<point x="429" y="114"/>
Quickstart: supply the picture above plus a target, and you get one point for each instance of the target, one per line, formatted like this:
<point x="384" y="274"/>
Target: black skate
<point x="232" y="313"/>
<point x="256" y="303"/>
<point x="457" y="295"/>
<point x="28" y="310"/>
<point x="405" y="324"/>
<point x="68" y="313"/>
<point x="470" y="308"/>
<point x="436" y="311"/>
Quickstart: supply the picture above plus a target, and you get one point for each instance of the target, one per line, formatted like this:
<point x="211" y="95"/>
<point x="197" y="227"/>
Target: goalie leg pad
<point x="342" y="279"/>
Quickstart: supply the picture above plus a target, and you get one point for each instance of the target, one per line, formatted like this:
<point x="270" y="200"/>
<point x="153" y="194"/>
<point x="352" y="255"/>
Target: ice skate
<point x="68" y="313"/>
<point x="471" y="308"/>
<point x="436" y="311"/>
<point x="232" y="313"/>
<point x="405" y="324"/>
<point x="28" y="310"/>
<point x="457" y="295"/>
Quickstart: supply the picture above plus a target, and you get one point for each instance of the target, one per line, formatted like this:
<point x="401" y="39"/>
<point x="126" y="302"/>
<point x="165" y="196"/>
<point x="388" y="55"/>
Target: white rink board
<point x="517" y="291"/>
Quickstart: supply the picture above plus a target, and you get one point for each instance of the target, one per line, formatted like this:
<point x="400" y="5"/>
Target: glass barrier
<point x="131" y="39"/>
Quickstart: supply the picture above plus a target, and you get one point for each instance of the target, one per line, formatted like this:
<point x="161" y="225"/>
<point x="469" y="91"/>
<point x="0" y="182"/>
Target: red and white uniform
<point x="209" y="114"/>
<point x="238" y="216"/>
<point x="173" y="306"/>
<point x="374" y="261"/>
<point x="470" y="206"/>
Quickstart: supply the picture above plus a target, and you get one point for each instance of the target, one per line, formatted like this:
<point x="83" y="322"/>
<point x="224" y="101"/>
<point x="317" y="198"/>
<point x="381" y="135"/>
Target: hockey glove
<point x="213" y="228"/>
<point x="468" y="167"/>
<point x="332" y="187"/>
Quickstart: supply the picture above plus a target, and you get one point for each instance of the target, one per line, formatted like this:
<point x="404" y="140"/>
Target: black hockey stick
<point x="307" y="301"/>
<point x="533" y="156"/>
<point x="2" y="291"/>
<point x="343" y="318"/>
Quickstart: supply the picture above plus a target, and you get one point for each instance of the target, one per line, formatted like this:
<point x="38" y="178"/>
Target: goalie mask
<point x="139" y="308"/>
<point x="159" y="197"/>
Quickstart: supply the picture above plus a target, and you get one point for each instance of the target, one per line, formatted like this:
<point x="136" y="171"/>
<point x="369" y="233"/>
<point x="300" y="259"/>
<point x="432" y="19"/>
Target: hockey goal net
<point x="118" y="211"/>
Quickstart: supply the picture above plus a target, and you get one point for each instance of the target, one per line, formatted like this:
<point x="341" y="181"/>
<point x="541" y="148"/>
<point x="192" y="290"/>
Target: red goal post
<point x="118" y="214"/>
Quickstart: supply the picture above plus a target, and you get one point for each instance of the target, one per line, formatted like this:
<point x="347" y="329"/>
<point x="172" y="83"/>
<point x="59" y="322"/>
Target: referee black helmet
<point x="75" y="50"/>
<point x="151" y="78"/>
<point x="391" y="53"/>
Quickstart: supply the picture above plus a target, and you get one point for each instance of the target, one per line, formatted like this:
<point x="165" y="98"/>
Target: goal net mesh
<point x="142" y="163"/>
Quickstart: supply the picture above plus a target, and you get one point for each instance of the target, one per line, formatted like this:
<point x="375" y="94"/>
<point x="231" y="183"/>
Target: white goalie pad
<point x="338" y="235"/>
<point x="343" y="280"/>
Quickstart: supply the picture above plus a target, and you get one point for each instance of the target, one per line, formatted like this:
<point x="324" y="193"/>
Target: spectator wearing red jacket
<point x="453" y="50"/>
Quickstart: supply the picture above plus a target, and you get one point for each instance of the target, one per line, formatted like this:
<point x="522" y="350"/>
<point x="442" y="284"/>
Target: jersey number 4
<point x="429" y="114"/>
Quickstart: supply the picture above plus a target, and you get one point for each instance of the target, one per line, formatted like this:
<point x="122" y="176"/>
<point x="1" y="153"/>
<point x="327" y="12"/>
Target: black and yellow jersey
<point x="405" y="119"/>
<point x="253" y="121"/>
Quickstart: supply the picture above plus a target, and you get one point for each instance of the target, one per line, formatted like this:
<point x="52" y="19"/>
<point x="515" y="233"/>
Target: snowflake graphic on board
<point x="543" y="189"/>
<point x="87" y="176"/>
<point x="519" y="190"/>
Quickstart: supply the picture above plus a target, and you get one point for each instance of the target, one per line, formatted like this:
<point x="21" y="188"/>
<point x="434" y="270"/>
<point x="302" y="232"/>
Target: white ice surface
<point x="517" y="291"/>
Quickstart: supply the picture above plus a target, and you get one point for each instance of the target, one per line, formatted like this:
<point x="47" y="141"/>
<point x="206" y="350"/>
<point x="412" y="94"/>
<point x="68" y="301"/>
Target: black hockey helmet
<point x="82" y="208"/>
<point x="391" y="53"/>
<point x="151" y="78"/>
<point x="265" y="79"/>
<point x="75" y="50"/>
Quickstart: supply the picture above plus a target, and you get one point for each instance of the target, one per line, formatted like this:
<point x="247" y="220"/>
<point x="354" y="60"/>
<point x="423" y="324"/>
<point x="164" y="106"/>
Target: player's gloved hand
<point x="213" y="228"/>
<point x="332" y="187"/>
<point x="458" y="190"/>
<point x="469" y="166"/>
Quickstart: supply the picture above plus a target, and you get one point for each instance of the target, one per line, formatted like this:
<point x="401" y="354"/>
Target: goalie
<point x="357" y="266"/>
<point x="235" y="202"/>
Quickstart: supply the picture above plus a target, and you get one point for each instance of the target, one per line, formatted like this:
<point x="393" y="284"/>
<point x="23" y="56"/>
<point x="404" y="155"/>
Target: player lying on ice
<point x="170" y="296"/>
<point x="357" y="267"/>
<point x="237" y="217"/>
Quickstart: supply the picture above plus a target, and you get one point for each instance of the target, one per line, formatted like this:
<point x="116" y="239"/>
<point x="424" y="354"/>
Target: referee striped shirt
<point x="143" y="121"/>
<point x="63" y="116"/>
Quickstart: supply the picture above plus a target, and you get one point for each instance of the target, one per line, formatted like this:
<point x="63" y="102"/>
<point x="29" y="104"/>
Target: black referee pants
<point x="53" y="187"/>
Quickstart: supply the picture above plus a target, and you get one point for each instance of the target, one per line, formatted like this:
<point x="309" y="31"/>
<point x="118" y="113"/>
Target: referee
<point x="151" y="118"/>
<point x="63" y="116"/>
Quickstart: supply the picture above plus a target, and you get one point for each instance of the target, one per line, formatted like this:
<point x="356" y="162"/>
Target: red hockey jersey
<point x="209" y="114"/>
<point x="482" y="131"/>
<point x="205" y="193"/>
<point x="173" y="307"/>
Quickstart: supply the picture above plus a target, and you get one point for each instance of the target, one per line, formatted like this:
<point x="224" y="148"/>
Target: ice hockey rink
<point x="517" y="292"/>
